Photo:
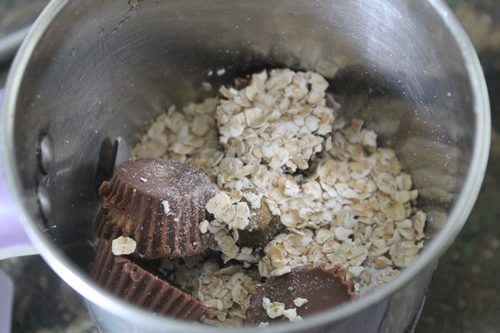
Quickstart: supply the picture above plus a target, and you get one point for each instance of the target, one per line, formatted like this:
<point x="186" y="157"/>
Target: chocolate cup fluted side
<point x="128" y="280"/>
<point x="164" y="221"/>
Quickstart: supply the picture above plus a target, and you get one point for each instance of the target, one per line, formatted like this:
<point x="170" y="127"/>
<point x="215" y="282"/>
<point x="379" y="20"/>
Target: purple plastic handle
<point x="12" y="234"/>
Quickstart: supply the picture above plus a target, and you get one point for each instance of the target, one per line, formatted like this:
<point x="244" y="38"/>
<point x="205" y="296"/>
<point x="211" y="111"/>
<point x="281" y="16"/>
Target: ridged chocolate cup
<point x="135" y="282"/>
<point x="159" y="203"/>
<point x="322" y="288"/>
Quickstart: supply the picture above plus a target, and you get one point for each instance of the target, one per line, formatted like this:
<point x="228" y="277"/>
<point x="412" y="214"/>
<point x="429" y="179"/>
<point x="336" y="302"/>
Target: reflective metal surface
<point x="103" y="70"/>
<point x="464" y="295"/>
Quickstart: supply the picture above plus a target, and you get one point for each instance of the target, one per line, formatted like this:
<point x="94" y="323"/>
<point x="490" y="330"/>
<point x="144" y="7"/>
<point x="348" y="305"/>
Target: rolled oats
<point x="123" y="246"/>
<point x="276" y="143"/>
<point x="275" y="309"/>
<point x="299" y="301"/>
<point x="291" y="314"/>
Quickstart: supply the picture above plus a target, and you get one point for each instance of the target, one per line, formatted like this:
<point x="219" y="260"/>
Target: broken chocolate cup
<point x="158" y="203"/>
<point x="141" y="284"/>
<point x="263" y="227"/>
<point x="321" y="289"/>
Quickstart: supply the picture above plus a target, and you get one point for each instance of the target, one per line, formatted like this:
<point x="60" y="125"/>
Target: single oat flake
<point x="123" y="246"/>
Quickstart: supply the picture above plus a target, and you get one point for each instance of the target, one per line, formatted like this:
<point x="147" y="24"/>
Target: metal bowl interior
<point x="91" y="72"/>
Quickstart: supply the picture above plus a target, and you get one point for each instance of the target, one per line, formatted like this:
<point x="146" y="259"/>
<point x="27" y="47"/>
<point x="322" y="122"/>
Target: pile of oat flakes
<point x="276" y="142"/>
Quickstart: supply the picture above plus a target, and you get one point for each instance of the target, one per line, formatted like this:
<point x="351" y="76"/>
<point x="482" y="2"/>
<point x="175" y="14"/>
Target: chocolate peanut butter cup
<point x="159" y="204"/>
<point x="303" y="291"/>
<point x="261" y="229"/>
<point x="140" y="283"/>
